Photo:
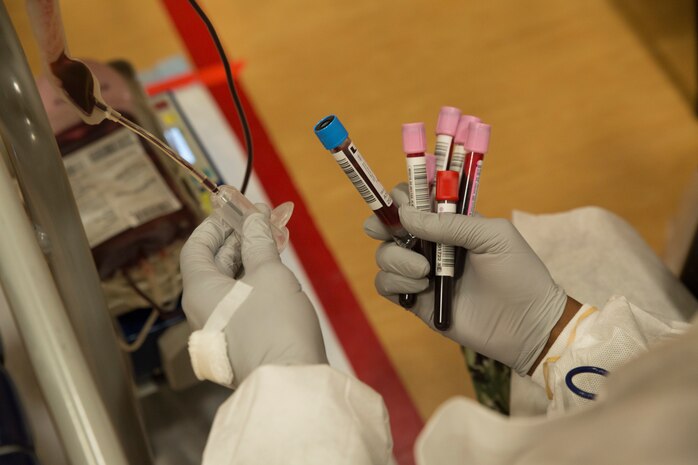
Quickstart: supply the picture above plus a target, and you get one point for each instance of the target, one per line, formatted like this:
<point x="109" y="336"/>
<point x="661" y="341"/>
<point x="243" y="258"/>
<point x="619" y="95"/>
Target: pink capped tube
<point x="446" y="127"/>
<point x="458" y="154"/>
<point x="476" y="147"/>
<point x="414" y="144"/>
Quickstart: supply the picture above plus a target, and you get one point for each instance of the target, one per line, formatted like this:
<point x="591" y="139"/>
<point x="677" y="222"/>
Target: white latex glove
<point x="276" y="324"/>
<point x="505" y="304"/>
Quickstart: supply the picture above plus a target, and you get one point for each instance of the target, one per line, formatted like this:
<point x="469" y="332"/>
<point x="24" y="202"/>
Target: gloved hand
<point x="276" y="323"/>
<point x="506" y="302"/>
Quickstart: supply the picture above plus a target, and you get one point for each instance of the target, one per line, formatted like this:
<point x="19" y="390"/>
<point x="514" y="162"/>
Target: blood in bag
<point x="128" y="201"/>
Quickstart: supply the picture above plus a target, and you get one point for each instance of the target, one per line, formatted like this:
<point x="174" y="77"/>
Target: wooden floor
<point x="581" y="114"/>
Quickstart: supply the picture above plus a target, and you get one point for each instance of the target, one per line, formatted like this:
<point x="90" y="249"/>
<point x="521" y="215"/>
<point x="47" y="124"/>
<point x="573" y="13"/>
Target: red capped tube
<point x="446" y="203"/>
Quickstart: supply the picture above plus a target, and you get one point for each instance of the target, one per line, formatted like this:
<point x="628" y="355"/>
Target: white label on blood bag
<point x="418" y="183"/>
<point x="445" y="254"/>
<point x="443" y="147"/>
<point x="476" y="184"/>
<point x="363" y="183"/>
<point x="116" y="186"/>
<point x="457" y="159"/>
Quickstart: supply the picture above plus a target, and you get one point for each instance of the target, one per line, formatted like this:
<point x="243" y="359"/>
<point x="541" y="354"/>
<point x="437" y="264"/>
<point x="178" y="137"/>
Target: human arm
<point x="289" y="406"/>
<point x="645" y="413"/>
<point x="500" y="253"/>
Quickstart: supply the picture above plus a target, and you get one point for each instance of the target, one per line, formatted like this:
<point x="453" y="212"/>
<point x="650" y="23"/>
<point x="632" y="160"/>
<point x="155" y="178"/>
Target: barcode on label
<point x="443" y="146"/>
<point x="112" y="147"/>
<point x="357" y="181"/>
<point x="152" y="211"/>
<point x="445" y="260"/>
<point x="476" y="185"/>
<point x="457" y="159"/>
<point x="418" y="185"/>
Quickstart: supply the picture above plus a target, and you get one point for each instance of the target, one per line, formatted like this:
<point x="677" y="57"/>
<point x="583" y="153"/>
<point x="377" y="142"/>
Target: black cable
<point x="233" y="92"/>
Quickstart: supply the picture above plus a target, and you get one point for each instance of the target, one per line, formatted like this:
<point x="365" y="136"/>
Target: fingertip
<point x="258" y="245"/>
<point x="375" y="229"/>
<point x="400" y="194"/>
<point x="228" y="257"/>
<point x="395" y="259"/>
<point x="388" y="284"/>
<point x="409" y="217"/>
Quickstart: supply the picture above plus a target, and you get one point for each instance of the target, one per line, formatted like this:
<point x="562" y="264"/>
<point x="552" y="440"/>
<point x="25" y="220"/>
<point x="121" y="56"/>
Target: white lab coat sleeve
<point x="300" y="415"/>
<point x="605" y="338"/>
<point x="646" y="411"/>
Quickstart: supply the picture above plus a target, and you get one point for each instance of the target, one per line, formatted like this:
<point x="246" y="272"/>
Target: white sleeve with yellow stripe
<point x="605" y="339"/>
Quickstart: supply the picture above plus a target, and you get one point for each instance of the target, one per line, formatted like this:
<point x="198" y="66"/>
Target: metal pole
<point x="77" y="409"/>
<point x="49" y="200"/>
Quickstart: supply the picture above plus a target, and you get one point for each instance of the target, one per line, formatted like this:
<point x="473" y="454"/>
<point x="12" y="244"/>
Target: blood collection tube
<point x="335" y="138"/>
<point x="446" y="203"/>
<point x="414" y="144"/>
<point x="446" y="127"/>
<point x="458" y="153"/>
<point x="476" y="147"/>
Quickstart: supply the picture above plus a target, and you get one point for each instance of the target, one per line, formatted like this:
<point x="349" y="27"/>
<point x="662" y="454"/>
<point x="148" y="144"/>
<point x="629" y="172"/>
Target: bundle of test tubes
<point x="461" y="144"/>
<point x="446" y="182"/>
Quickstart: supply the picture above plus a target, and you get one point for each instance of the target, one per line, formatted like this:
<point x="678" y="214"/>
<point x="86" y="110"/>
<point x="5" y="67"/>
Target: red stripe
<point x="214" y="74"/>
<point x="358" y="339"/>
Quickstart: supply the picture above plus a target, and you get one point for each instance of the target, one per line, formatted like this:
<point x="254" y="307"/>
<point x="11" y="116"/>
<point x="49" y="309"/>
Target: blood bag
<point x="129" y="203"/>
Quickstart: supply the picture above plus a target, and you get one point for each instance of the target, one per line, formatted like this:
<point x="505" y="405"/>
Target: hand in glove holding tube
<point x="262" y="318"/>
<point x="505" y="306"/>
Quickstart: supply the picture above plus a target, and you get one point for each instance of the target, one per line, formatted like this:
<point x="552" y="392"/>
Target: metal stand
<point x="62" y="310"/>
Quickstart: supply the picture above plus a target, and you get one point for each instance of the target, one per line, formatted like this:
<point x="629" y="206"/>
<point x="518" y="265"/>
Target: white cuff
<point x="208" y="348"/>
<point x="209" y="357"/>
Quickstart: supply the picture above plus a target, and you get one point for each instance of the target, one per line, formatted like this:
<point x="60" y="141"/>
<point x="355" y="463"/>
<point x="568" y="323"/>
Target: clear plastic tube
<point x="117" y="117"/>
<point x="231" y="204"/>
<point x="232" y="207"/>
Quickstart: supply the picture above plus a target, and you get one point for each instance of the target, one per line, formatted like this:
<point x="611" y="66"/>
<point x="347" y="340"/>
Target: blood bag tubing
<point x="232" y="206"/>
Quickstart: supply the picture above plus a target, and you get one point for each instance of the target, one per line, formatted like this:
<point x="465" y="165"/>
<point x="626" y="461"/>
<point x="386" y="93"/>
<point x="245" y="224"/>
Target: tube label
<point x="363" y="179"/>
<point x="442" y="151"/>
<point x="418" y="183"/>
<point x="116" y="186"/>
<point x="445" y="254"/>
<point x="476" y="185"/>
<point x="457" y="159"/>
